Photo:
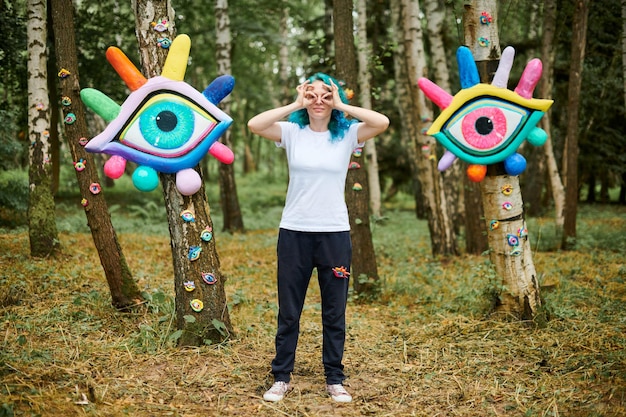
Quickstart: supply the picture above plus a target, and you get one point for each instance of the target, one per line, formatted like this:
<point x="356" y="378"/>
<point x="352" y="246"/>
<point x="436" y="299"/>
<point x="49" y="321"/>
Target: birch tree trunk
<point x="364" y="270"/>
<point x="283" y="59"/>
<point x="408" y="128"/>
<point x="442" y="236"/>
<point x="452" y="177"/>
<point x="519" y="296"/>
<point x="42" y="228"/>
<point x="510" y="250"/>
<point x="365" y="89"/>
<point x="570" y="153"/>
<point x="231" y="210"/>
<point x="533" y="185"/>
<point x="475" y="232"/>
<point x="212" y="323"/>
<point x="545" y="91"/>
<point x="124" y="291"/>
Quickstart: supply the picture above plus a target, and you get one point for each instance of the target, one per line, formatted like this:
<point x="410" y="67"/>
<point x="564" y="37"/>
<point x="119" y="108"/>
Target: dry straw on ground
<point x="66" y="352"/>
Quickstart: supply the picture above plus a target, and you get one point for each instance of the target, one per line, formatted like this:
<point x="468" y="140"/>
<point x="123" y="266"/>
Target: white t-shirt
<point x="317" y="178"/>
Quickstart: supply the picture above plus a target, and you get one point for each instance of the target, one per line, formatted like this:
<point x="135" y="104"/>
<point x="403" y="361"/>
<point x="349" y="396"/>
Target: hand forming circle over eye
<point x="301" y="99"/>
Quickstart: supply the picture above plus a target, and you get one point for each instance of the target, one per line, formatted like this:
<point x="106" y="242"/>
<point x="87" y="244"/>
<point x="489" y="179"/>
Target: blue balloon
<point x="145" y="178"/>
<point x="515" y="164"/>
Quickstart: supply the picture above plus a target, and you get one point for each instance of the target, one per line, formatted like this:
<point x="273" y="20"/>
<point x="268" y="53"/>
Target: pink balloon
<point x="115" y="167"/>
<point x="222" y="153"/>
<point x="188" y="181"/>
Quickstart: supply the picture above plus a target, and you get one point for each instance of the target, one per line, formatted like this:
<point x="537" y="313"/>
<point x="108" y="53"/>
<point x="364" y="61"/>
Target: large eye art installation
<point x="485" y="124"/>
<point x="164" y="125"/>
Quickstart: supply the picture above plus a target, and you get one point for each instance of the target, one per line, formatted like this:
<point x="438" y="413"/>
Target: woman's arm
<point x="266" y="124"/>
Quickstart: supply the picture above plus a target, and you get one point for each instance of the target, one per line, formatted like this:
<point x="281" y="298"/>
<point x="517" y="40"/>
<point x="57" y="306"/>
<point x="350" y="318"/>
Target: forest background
<point x="430" y="319"/>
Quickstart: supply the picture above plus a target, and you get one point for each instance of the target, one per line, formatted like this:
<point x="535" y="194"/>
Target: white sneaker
<point x="277" y="392"/>
<point x="338" y="393"/>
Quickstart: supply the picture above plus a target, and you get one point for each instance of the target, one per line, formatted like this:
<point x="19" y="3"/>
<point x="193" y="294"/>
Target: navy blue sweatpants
<point x="298" y="254"/>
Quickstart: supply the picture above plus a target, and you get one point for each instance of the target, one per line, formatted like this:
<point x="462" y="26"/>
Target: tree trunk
<point x="510" y="250"/>
<point x="42" y="228"/>
<point x="533" y="185"/>
<point x="231" y="211"/>
<point x="624" y="46"/>
<point x="442" y="236"/>
<point x="364" y="268"/>
<point x="124" y="291"/>
<point x="283" y="59"/>
<point x="475" y="232"/>
<point x="409" y="129"/>
<point x="570" y="153"/>
<point x="453" y="176"/>
<point x="54" y="100"/>
<point x="545" y="90"/>
<point x="365" y="90"/>
<point x="201" y="314"/>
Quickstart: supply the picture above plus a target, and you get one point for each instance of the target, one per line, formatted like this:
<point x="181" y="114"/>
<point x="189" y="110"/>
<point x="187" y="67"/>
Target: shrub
<point x="14" y="190"/>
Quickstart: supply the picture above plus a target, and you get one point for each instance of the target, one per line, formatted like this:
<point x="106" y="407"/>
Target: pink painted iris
<point x="484" y="128"/>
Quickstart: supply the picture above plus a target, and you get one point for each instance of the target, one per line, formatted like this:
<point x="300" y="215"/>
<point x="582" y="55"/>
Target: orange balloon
<point x="476" y="173"/>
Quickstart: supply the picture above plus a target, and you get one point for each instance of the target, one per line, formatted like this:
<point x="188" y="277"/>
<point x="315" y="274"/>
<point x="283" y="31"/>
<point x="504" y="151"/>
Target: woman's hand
<point x="302" y="100"/>
<point x="336" y="98"/>
<point x="310" y="97"/>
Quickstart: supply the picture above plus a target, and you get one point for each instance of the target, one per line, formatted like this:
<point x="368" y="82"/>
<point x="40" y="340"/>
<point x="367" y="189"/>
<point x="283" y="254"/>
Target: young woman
<point x="314" y="229"/>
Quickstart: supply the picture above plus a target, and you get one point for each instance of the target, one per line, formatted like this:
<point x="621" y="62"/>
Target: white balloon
<point x="188" y="181"/>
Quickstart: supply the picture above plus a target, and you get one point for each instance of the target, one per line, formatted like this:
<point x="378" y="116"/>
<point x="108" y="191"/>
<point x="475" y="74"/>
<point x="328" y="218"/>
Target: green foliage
<point x="12" y="150"/>
<point x="13" y="84"/>
<point x="93" y="39"/>
<point x="158" y="332"/>
<point x="14" y="190"/>
<point x="595" y="233"/>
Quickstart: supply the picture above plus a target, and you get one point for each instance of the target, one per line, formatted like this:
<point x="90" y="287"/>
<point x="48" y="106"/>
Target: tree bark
<point x="231" y="211"/>
<point x="211" y="323"/>
<point x="624" y="46"/>
<point x="453" y="176"/>
<point x="42" y="228"/>
<point x="475" y="233"/>
<point x="501" y="195"/>
<point x="545" y="90"/>
<point x="364" y="270"/>
<point x="570" y="153"/>
<point x="510" y="252"/>
<point x="124" y="291"/>
<point x="442" y="235"/>
<point x="365" y="100"/>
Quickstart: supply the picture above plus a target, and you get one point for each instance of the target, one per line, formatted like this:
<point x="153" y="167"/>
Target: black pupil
<point x="166" y="121"/>
<point x="484" y="125"/>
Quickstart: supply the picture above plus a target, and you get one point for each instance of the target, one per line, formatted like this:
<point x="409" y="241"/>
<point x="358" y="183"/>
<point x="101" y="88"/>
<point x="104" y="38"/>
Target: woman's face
<point x="318" y="100"/>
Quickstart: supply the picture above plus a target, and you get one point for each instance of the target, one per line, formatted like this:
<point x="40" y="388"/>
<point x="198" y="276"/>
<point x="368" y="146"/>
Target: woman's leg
<point x="294" y="273"/>
<point x="335" y="251"/>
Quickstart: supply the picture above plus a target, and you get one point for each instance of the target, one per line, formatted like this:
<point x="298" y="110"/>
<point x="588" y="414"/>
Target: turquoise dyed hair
<point x="338" y="125"/>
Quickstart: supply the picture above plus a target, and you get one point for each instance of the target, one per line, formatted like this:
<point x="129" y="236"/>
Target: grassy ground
<point x="425" y="348"/>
